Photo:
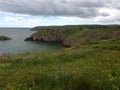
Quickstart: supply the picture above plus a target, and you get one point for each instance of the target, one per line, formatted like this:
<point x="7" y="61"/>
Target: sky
<point x="31" y="13"/>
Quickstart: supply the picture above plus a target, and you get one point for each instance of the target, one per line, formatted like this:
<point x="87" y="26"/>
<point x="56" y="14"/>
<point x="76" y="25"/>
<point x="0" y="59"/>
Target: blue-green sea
<point x="17" y="45"/>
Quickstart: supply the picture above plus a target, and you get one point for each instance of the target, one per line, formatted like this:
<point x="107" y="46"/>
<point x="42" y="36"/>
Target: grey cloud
<point x="77" y="8"/>
<point x="104" y="14"/>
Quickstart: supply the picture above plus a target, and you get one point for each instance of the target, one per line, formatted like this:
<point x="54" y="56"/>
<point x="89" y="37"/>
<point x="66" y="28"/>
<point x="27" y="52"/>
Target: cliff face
<point x="54" y="35"/>
<point x="70" y="36"/>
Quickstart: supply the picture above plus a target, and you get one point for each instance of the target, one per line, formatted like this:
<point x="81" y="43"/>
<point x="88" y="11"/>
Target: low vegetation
<point x="91" y="63"/>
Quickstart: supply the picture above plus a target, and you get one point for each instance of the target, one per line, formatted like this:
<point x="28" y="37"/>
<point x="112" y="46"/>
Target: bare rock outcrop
<point x="4" y="38"/>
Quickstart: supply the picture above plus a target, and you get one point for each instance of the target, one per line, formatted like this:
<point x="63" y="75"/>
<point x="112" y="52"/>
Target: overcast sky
<point x="30" y="13"/>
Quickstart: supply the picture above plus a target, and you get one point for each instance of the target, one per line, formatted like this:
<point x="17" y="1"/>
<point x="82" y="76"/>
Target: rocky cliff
<point x="54" y="35"/>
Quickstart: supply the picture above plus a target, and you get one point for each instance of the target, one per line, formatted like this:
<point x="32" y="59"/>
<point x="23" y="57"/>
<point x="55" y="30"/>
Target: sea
<point x="17" y="45"/>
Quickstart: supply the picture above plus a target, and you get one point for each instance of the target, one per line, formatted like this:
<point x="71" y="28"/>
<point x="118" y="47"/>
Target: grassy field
<point x="92" y="63"/>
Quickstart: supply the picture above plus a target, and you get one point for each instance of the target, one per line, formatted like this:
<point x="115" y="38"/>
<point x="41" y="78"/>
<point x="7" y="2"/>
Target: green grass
<point x="88" y="70"/>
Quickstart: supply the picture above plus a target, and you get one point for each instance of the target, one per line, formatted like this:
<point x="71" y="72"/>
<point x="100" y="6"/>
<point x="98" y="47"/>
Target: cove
<point x="17" y="44"/>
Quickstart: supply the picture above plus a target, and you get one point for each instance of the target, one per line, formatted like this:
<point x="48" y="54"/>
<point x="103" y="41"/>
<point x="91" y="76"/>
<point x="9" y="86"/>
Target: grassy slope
<point x="93" y="63"/>
<point x="81" y="34"/>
